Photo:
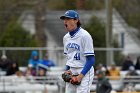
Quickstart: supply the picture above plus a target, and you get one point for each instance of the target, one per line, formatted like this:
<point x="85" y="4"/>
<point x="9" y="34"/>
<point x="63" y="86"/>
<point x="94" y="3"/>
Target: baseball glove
<point x="66" y="76"/>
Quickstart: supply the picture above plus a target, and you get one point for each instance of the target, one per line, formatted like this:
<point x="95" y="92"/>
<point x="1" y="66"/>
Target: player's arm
<point x="89" y="54"/>
<point x="89" y="63"/>
<point x="90" y="60"/>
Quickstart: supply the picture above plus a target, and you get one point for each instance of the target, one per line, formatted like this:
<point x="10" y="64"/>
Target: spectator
<point x="137" y="66"/>
<point x="127" y="63"/>
<point x="99" y="67"/>
<point x="103" y="85"/>
<point x="129" y="76"/>
<point x="46" y="62"/>
<point x="13" y="68"/>
<point x="30" y="72"/>
<point x="18" y="78"/>
<point x="129" y="88"/>
<point x="132" y="71"/>
<point x="102" y="68"/>
<point x="4" y="63"/>
<point x="34" y="60"/>
<point x="19" y="74"/>
<point x="41" y="76"/>
<point x="106" y="70"/>
<point x="42" y="72"/>
<point x="114" y="73"/>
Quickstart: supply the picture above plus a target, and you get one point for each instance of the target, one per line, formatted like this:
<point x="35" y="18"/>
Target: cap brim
<point x="62" y="17"/>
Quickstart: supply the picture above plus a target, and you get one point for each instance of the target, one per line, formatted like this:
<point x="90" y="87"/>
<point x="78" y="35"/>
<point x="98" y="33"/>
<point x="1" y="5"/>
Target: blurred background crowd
<point x="127" y="73"/>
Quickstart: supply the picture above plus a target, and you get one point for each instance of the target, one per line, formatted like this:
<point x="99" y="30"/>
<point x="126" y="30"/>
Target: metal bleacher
<point x="53" y="82"/>
<point x="118" y="84"/>
<point x="26" y="85"/>
<point x="31" y="84"/>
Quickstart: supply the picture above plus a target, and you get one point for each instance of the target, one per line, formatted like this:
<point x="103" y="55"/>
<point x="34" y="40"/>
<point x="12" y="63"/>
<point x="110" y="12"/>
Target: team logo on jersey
<point x="67" y="13"/>
<point x="74" y="46"/>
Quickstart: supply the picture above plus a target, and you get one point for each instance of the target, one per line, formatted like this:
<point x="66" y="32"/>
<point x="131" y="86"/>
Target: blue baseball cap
<point x="34" y="53"/>
<point x="70" y="14"/>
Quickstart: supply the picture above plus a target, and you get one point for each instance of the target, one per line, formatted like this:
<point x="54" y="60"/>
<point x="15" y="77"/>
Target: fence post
<point x="3" y="52"/>
<point x="40" y="54"/>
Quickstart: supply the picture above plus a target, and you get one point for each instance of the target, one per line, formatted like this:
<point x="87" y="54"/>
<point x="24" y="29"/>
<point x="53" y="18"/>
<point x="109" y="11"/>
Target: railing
<point x="55" y="53"/>
<point x="30" y="84"/>
<point x="119" y="82"/>
<point x="53" y="82"/>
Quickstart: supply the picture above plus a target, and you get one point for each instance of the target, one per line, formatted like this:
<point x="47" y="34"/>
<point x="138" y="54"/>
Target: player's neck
<point x="74" y="31"/>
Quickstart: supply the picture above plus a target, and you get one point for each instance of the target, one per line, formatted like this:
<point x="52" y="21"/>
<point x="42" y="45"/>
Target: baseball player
<point x="78" y="47"/>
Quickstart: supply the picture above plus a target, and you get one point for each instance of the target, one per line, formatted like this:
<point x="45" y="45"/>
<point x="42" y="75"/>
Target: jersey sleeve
<point x="88" y="45"/>
<point x="65" y="50"/>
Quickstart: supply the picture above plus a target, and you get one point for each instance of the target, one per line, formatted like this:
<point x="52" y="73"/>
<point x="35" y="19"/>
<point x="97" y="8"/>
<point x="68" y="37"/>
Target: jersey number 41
<point x="77" y="56"/>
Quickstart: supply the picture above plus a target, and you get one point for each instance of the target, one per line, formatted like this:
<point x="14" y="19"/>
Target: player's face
<point x="70" y="24"/>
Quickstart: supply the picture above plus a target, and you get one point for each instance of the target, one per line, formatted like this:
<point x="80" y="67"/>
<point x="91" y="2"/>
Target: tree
<point x="16" y="36"/>
<point x="40" y="20"/>
<point x="97" y="31"/>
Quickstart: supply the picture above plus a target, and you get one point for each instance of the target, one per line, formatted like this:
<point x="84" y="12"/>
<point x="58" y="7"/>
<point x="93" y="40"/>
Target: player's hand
<point x="80" y="77"/>
<point x="76" y="80"/>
